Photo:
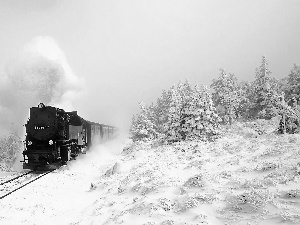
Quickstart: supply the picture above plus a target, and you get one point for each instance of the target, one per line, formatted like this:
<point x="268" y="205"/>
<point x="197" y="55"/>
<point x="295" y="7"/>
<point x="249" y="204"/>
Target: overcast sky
<point x="128" y="51"/>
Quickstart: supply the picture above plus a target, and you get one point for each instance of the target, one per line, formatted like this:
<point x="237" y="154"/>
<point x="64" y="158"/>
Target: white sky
<point x="128" y="51"/>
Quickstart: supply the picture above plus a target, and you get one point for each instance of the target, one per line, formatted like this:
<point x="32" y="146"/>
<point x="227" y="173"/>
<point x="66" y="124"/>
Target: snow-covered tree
<point x="290" y="116"/>
<point x="227" y="96"/>
<point x="199" y="119"/>
<point x="143" y="127"/>
<point x="191" y="113"/>
<point x="173" y="126"/>
<point x="245" y="93"/>
<point x="10" y="146"/>
<point x="183" y="112"/>
<point x="161" y="110"/>
<point x="292" y="88"/>
<point x="264" y="92"/>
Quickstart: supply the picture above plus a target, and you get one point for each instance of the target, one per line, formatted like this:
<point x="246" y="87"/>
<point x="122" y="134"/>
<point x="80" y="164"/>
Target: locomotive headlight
<point x="50" y="142"/>
<point x="29" y="143"/>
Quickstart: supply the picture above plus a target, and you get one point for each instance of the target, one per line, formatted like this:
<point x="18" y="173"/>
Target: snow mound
<point x="235" y="180"/>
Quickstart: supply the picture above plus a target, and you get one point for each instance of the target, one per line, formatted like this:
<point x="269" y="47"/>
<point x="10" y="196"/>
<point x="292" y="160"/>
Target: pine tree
<point x="161" y="110"/>
<point x="289" y="109"/>
<point x="227" y="96"/>
<point x="143" y="127"/>
<point x="201" y="118"/>
<point x="264" y="92"/>
<point x="194" y="116"/>
<point x="183" y="112"/>
<point x="173" y="126"/>
<point x="245" y="94"/>
<point x="292" y="88"/>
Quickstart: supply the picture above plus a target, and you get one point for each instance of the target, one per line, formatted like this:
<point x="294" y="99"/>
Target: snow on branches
<point x="227" y="96"/>
<point x="184" y="112"/>
<point x="143" y="127"/>
<point x="9" y="148"/>
<point x="292" y="88"/>
<point x="265" y="94"/>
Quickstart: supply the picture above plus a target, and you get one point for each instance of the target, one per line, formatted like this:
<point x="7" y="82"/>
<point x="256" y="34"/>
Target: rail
<point x="14" y="190"/>
<point x="17" y="177"/>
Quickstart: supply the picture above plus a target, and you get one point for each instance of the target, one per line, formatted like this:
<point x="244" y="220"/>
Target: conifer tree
<point x="245" y="94"/>
<point x="183" y="112"/>
<point x="292" y="88"/>
<point x="143" y="127"/>
<point x="192" y="114"/>
<point x="227" y="96"/>
<point x="264" y="92"/>
<point x="200" y="118"/>
<point x="173" y="126"/>
<point x="161" y="110"/>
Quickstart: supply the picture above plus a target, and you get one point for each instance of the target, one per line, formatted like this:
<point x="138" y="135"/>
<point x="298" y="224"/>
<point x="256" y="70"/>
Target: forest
<point x="196" y="112"/>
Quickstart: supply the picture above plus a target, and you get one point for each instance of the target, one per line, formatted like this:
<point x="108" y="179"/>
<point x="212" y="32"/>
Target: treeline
<point x="187" y="111"/>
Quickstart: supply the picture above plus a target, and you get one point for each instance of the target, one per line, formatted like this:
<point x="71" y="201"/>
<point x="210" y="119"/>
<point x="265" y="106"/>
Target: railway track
<point x="17" y="177"/>
<point x="10" y="186"/>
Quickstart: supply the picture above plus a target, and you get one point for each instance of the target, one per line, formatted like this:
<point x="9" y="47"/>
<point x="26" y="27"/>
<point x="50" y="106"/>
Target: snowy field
<point x="249" y="176"/>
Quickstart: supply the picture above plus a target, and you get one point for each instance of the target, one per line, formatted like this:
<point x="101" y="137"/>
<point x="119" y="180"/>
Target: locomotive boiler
<point x="54" y="136"/>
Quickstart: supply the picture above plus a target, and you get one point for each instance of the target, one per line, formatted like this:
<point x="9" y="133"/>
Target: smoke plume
<point x="40" y="73"/>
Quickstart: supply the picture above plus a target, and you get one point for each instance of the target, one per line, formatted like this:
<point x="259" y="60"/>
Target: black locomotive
<point x="54" y="136"/>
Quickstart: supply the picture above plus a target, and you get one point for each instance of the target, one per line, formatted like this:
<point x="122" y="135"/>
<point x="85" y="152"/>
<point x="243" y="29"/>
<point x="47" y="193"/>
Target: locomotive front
<point x="45" y="127"/>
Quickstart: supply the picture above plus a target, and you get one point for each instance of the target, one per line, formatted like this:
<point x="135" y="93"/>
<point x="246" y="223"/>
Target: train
<point x="54" y="137"/>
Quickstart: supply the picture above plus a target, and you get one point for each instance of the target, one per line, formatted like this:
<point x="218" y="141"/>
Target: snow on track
<point x="60" y="196"/>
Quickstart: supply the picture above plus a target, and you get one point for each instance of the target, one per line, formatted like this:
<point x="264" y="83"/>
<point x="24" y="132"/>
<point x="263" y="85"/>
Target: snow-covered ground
<point x="242" y="178"/>
<point x="62" y="196"/>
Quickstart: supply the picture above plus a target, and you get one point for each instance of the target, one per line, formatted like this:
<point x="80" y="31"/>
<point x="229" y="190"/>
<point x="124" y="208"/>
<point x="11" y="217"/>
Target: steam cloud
<point x="39" y="74"/>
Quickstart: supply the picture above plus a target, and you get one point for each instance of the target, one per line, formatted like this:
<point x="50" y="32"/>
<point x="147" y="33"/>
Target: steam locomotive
<point x="54" y="136"/>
